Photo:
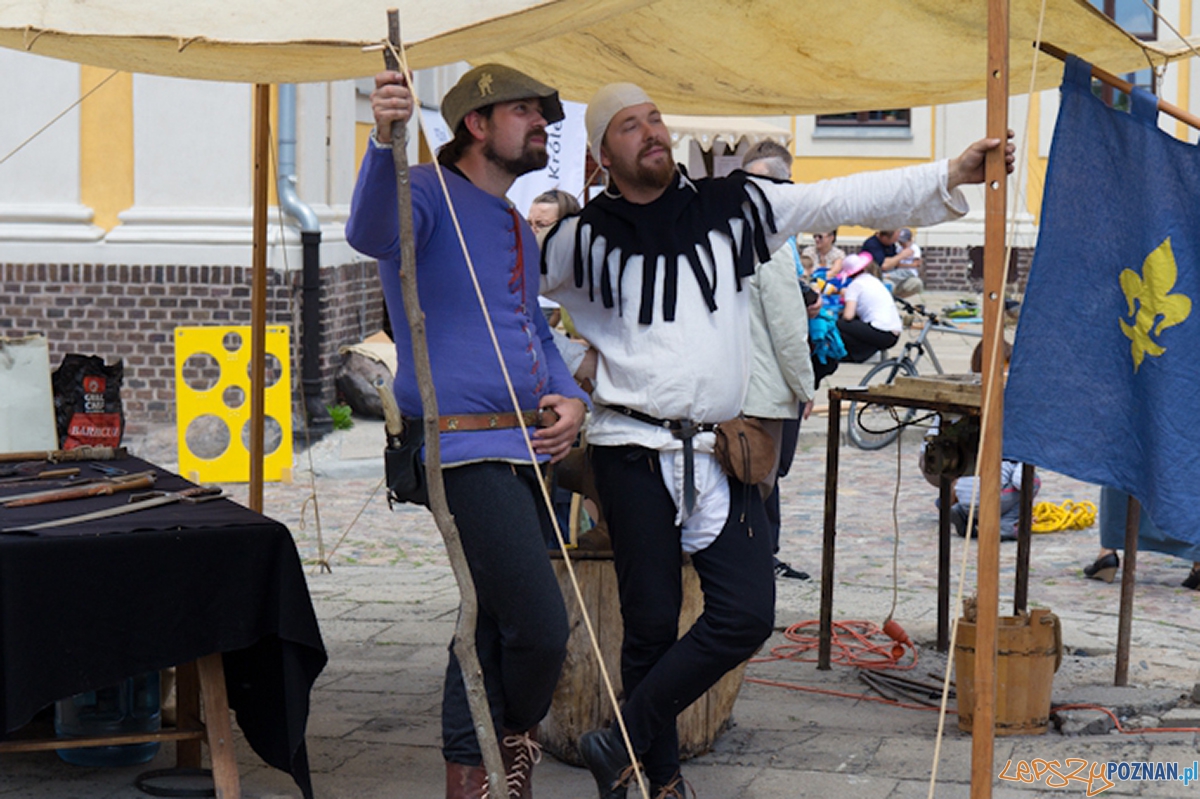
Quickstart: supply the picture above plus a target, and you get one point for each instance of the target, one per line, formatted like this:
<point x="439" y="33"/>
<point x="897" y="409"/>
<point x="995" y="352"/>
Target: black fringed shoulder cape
<point x="677" y="223"/>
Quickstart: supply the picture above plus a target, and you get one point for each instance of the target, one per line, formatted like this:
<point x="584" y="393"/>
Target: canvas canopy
<point x="708" y="131"/>
<point x="693" y="56"/>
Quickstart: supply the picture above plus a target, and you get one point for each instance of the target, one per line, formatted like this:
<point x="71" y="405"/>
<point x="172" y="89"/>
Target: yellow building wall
<point x="1035" y="165"/>
<point x="106" y="144"/>
<point x="362" y="139"/>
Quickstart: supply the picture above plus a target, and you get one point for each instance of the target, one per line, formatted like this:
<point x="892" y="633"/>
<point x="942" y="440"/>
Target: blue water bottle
<point x="131" y="705"/>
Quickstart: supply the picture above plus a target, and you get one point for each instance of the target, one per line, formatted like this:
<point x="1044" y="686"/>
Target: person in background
<point x="549" y="207"/>
<point x="888" y="253"/>
<point x="823" y="258"/>
<point x="1114" y="504"/>
<point x="905" y="280"/>
<point x="781" y="376"/>
<point x="963" y="489"/>
<point x="869" y="322"/>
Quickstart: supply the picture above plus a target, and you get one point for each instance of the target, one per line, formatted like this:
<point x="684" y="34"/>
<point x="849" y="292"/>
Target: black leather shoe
<point x="784" y="570"/>
<point x="1193" y="579"/>
<point x="604" y="754"/>
<point x="1105" y="568"/>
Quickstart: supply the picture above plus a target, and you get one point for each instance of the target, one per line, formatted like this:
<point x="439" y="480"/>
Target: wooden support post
<point x="187" y="714"/>
<point x="1024" y="536"/>
<point x="1133" y="519"/>
<point x="945" y="500"/>
<point x="994" y="263"/>
<point x="258" y="293"/>
<point x="220" y="730"/>
<point x="825" y="632"/>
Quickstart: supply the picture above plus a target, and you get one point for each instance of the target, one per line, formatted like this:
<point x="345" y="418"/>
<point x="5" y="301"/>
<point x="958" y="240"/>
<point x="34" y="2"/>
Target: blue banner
<point x="1106" y="361"/>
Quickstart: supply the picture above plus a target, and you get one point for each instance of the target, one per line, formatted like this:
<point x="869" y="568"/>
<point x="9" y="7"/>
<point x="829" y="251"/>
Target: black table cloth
<point x="86" y="605"/>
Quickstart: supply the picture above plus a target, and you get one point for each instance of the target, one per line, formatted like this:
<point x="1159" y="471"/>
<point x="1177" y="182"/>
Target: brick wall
<point x="130" y="313"/>
<point x="951" y="269"/>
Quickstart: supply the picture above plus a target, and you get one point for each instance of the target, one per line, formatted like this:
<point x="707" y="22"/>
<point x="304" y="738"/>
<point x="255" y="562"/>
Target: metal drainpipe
<point x="310" y="237"/>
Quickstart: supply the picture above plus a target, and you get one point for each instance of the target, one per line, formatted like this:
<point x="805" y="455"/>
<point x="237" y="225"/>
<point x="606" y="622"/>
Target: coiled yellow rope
<point x="1051" y="518"/>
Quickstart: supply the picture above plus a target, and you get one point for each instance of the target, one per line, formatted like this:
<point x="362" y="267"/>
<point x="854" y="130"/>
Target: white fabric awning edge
<point x="708" y="130"/>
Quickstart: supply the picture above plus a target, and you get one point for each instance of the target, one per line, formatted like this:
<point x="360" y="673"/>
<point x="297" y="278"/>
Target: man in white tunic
<point x="652" y="272"/>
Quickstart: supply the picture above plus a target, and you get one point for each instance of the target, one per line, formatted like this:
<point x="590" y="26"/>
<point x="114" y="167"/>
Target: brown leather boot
<point x="465" y="782"/>
<point x="521" y="752"/>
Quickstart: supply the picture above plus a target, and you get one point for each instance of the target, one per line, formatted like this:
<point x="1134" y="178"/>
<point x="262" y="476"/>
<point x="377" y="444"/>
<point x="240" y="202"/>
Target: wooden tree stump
<point x="580" y="700"/>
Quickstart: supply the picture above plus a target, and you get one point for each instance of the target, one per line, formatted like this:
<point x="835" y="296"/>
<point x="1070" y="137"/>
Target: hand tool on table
<point x="66" y="455"/>
<point x="45" y="474"/>
<point x="137" y="502"/>
<point x="101" y="487"/>
<point x="108" y="471"/>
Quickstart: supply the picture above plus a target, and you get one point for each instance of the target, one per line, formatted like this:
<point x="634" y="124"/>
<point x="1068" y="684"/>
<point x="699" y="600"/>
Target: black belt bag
<point x="403" y="467"/>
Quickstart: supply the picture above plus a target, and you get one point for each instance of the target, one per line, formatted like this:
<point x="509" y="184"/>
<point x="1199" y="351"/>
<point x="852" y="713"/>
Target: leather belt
<point x="683" y="429"/>
<point x="461" y="422"/>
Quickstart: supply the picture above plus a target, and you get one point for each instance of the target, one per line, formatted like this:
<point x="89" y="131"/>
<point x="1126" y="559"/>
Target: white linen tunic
<point x="697" y="366"/>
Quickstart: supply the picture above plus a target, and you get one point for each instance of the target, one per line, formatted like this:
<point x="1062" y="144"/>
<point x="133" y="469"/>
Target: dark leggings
<point x="522" y="628"/>
<point x="862" y="341"/>
<point x="787" y="452"/>
<point x="661" y="673"/>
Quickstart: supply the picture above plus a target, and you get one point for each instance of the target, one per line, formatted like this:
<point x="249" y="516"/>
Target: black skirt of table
<point x="86" y="605"/>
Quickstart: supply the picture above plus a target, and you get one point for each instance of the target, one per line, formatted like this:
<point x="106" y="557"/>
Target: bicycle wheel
<point x="873" y="426"/>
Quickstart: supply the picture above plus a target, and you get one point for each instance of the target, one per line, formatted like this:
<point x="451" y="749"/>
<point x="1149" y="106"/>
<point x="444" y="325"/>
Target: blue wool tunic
<point x="505" y="255"/>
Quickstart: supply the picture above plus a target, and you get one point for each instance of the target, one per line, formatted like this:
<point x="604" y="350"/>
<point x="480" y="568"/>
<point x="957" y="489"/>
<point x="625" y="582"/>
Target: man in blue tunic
<point x="499" y="119"/>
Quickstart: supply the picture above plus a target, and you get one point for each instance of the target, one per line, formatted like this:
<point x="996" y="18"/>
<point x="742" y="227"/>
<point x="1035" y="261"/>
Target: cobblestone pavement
<point x="387" y="609"/>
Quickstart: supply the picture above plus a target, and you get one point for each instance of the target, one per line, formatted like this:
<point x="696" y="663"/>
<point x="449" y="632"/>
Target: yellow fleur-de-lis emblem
<point x="1152" y="306"/>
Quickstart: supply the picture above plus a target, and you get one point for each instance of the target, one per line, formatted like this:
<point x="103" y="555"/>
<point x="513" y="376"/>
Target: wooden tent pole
<point x="1124" y="86"/>
<point x="258" y="292"/>
<point x="994" y="263"/>
<point x="1133" y="520"/>
<point x="464" y="632"/>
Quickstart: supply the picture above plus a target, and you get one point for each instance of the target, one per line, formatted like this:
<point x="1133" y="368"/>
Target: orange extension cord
<point x="853" y="646"/>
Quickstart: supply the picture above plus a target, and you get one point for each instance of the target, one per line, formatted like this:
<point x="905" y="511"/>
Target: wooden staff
<point x="464" y="633"/>
<point x="995" y="188"/>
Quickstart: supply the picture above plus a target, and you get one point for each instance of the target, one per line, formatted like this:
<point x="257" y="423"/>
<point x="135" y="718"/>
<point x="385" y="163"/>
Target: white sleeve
<point x="914" y="196"/>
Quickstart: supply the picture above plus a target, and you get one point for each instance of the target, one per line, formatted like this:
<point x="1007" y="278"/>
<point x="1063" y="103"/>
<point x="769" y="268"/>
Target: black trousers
<point x="787" y="453"/>
<point x="862" y="341"/>
<point x="522" y="629"/>
<point x="662" y="673"/>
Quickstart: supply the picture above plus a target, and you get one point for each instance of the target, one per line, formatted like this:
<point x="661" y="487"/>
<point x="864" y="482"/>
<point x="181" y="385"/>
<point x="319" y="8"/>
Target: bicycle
<point x="873" y="426"/>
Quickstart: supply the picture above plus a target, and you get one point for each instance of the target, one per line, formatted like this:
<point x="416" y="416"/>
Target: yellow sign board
<point x="212" y="404"/>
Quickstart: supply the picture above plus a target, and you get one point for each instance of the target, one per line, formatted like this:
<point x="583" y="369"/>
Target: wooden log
<point x="580" y="703"/>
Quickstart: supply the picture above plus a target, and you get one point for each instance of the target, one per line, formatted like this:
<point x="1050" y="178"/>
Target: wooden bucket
<point x="1028" y="653"/>
<point x="581" y="702"/>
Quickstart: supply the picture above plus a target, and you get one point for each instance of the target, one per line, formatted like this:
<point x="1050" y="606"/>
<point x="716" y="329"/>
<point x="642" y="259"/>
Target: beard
<point x="531" y="158"/>
<point x="646" y="176"/>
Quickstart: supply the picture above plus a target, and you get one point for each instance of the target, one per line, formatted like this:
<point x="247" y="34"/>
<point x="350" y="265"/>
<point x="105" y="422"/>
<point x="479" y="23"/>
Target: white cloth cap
<point x="606" y="103"/>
